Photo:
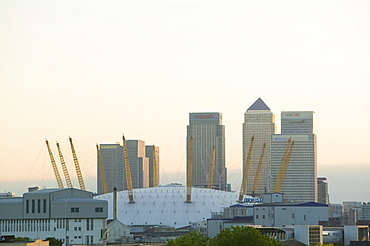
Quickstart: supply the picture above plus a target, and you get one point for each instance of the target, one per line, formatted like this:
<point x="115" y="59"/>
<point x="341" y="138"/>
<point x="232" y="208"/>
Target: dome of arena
<point x="165" y="205"/>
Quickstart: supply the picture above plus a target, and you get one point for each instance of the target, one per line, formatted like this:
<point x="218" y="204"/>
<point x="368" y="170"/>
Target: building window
<point x="38" y="206"/>
<point x="98" y="209"/>
<point x="92" y="224"/>
<point x="257" y="216"/>
<point x="79" y="228"/>
<point x="27" y="206"/>
<point x="75" y="210"/>
<point x="33" y="206"/>
<point x="75" y="229"/>
<point x="304" y="217"/>
<point x="44" y="208"/>
<point x="87" y="224"/>
<point x="263" y="216"/>
<point x="292" y="215"/>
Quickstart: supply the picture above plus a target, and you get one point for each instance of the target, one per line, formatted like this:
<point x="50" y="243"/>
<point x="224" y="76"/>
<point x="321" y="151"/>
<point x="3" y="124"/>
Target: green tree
<point x="242" y="236"/>
<point x="22" y="239"/>
<point x="193" y="238"/>
<point x="54" y="242"/>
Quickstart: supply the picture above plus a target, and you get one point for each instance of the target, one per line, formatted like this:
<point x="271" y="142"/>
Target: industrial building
<point x="69" y="214"/>
<point x="259" y="122"/>
<point x="207" y="133"/>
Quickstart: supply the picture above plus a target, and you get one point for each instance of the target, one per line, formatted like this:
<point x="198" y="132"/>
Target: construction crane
<point x="155" y="168"/>
<point x="280" y="177"/>
<point x="101" y="169"/>
<point x="245" y="171"/>
<point x="128" y="172"/>
<point x="55" y="168"/>
<point x="65" y="171"/>
<point x="258" y="172"/>
<point x="189" y="171"/>
<point x="78" y="170"/>
<point x="211" y="168"/>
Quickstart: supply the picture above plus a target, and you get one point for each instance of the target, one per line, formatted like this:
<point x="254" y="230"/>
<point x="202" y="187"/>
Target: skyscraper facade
<point x="114" y="169"/>
<point x="259" y="122"/>
<point x="152" y="152"/>
<point x="207" y="131"/>
<point x="300" y="182"/>
<point x="322" y="190"/>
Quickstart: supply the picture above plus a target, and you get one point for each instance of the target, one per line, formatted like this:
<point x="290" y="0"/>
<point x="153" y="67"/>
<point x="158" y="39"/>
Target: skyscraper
<point x="259" y="122"/>
<point x="152" y="152"/>
<point x="300" y="182"/>
<point x="207" y="130"/>
<point x="114" y="169"/>
<point x="322" y="190"/>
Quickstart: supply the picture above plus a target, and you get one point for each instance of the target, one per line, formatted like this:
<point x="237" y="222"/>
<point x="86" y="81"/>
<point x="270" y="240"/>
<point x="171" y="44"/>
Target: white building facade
<point x="70" y="215"/>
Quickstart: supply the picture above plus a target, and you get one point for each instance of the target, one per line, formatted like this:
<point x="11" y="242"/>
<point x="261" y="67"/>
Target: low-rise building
<point x="69" y="214"/>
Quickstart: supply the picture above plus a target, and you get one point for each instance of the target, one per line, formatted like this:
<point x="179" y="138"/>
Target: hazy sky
<point x="96" y="69"/>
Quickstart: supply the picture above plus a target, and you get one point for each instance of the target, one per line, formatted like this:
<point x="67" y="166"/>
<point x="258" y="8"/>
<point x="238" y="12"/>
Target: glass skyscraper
<point x="207" y="130"/>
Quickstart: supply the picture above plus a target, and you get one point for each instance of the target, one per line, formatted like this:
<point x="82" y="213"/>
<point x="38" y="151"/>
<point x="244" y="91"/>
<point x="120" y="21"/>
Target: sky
<point x="95" y="70"/>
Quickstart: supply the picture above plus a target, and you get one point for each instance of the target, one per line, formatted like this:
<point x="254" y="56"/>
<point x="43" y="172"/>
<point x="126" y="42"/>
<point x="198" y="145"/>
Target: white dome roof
<point x="165" y="205"/>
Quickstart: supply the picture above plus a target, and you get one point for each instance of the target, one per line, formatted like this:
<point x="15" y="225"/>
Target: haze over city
<point x="93" y="70"/>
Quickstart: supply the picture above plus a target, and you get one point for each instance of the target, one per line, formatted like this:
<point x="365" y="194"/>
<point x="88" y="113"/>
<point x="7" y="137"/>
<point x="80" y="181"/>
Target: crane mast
<point x="258" y="172"/>
<point x="155" y="168"/>
<point x="55" y="168"/>
<point x="280" y="177"/>
<point x="101" y="169"/>
<point x="128" y="172"/>
<point x="245" y="171"/>
<point x="189" y="171"/>
<point x="211" y="168"/>
<point x="65" y="171"/>
<point x="78" y="170"/>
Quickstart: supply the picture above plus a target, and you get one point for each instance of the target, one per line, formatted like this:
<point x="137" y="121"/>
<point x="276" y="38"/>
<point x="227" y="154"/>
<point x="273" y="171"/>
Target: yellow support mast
<point x="258" y="172"/>
<point x="78" y="170"/>
<point x="65" y="171"/>
<point x="55" y="168"/>
<point x="128" y="172"/>
<point x="280" y="177"/>
<point x="101" y="169"/>
<point x="245" y="171"/>
<point x="155" y="168"/>
<point x="212" y="168"/>
<point x="189" y="171"/>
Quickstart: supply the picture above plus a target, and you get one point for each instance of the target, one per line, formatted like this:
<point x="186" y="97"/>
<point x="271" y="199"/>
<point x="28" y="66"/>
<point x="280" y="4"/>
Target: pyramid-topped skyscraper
<point x="259" y="122"/>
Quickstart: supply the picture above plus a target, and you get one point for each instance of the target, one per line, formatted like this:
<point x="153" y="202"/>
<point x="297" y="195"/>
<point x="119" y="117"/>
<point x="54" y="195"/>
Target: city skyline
<point x="94" y="70"/>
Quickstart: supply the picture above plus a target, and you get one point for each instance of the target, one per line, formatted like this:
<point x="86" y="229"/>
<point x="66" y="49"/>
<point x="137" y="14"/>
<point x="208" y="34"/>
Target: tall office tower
<point x="114" y="169"/>
<point x="259" y="122"/>
<point x="300" y="182"/>
<point x="322" y="190"/>
<point x="152" y="152"/>
<point x="297" y="122"/>
<point x="207" y="130"/>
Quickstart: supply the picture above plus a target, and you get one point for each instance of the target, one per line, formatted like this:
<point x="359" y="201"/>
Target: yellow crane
<point x="211" y="168"/>
<point x="128" y="172"/>
<point x="245" y="171"/>
<point x="55" y="168"/>
<point x="101" y="169"/>
<point x="259" y="169"/>
<point x="155" y="168"/>
<point x="189" y="171"/>
<point x="65" y="171"/>
<point x="280" y="177"/>
<point x="78" y="170"/>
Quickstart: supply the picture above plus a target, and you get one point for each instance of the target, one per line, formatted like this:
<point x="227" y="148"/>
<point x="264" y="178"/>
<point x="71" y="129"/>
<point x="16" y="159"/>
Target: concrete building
<point x="114" y="169"/>
<point x="152" y="152"/>
<point x="70" y="215"/>
<point x="311" y="235"/>
<point x="322" y="190"/>
<point x="288" y="214"/>
<point x="207" y="131"/>
<point x="259" y="122"/>
<point x="300" y="184"/>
